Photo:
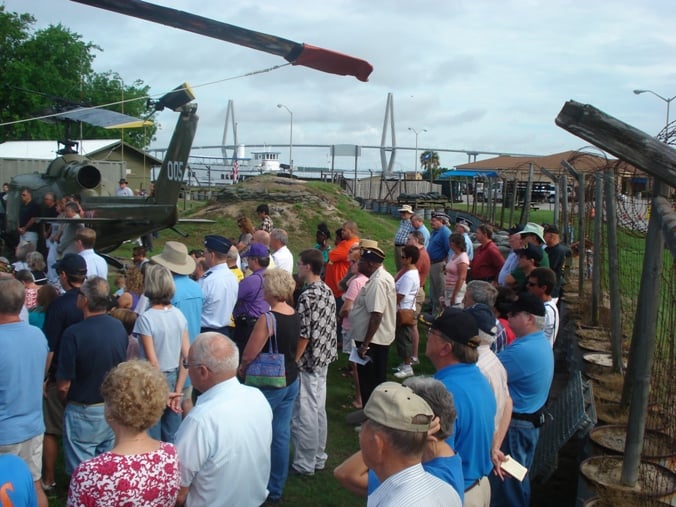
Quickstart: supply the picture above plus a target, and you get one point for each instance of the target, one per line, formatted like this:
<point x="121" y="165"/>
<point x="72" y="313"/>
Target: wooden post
<point x="596" y="274"/>
<point x="637" y="380"/>
<point x="613" y="271"/>
<point x="564" y="209"/>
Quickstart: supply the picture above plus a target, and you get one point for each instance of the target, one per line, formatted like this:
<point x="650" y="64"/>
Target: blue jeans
<point x="519" y="443"/>
<point x="86" y="434"/>
<point x="281" y="401"/>
<point x="165" y="429"/>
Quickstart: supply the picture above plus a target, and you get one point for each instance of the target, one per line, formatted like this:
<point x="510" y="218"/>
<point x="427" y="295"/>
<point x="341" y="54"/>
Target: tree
<point x="49" y="71"/>
<point x="429" y="160"/>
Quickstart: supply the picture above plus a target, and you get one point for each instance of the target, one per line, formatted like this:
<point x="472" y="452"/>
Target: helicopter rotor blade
<point x="294" y="52"/>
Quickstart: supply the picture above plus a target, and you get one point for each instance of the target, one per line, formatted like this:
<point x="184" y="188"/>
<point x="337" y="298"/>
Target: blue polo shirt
<point x="438" y="246"/>
<point x="475" y="423"/>
<point x="188" y="299"/>
<point x="529" y="362"/>
<point x="426" y="234"/>
<point x="22" y="368"/>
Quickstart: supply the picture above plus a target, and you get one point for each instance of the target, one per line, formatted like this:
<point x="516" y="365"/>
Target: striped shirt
<point x="414" y="486"/>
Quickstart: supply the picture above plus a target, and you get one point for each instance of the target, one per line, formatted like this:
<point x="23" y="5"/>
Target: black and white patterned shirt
<point x="317" y="311"/>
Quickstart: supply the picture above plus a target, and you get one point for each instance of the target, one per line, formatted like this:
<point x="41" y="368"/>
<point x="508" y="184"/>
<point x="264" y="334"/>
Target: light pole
<point x="668" y="101"/>
<point x="416" y="147"/>
<point x="290" y="137"/>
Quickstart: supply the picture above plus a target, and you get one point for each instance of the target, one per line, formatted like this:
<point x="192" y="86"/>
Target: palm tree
<point x="429" y="161"/>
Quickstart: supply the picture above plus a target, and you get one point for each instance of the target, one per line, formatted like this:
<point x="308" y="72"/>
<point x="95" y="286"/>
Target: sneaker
<point x="400" y="367"/>
<point x="414" y="361"/>
<point x="406" y="371"/>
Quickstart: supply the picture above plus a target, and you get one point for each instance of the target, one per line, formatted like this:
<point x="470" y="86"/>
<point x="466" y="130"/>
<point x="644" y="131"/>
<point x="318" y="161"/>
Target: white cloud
<point x="480" y="75"/>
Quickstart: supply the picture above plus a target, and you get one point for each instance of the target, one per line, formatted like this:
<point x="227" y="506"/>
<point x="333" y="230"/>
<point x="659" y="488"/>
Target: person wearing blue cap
<point x="529" y="362"/>
<point x="219" y="286"/>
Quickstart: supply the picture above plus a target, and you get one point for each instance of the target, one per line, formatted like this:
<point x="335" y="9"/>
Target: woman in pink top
<point x="354" y="286"/>
<point x="138" y="470"/>
<point x="456" y="271"/>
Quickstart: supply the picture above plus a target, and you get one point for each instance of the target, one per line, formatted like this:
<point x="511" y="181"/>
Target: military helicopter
<point x="115" y="219"/>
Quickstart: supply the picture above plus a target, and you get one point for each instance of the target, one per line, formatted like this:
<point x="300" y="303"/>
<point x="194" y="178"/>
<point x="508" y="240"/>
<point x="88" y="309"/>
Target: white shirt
<point x="413" y="486"/>
<point x="284" y="259"/>
<point x="408" y="285"/>
<point x="96" y="265"/>
<point x="224" y="447"/>
<point x="495" y="373"/>
<point x="124" y="192"/>
<point x="551" y="322"/>
<point x="219" y="288"/>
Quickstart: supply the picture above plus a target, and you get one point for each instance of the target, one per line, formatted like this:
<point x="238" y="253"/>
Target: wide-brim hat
<point x="175" y="258"/>
<point x="406" y="208"/>
<point x="533" y="228"/>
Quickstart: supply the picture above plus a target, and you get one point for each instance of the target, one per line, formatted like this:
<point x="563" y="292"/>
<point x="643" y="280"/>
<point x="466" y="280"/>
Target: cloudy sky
<point x="478" y="75"/>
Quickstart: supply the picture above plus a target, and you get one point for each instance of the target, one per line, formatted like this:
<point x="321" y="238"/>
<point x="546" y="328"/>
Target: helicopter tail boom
<point x="170" y="180"/>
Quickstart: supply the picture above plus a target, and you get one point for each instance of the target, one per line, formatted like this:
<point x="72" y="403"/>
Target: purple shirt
<point x="250" y="300"/>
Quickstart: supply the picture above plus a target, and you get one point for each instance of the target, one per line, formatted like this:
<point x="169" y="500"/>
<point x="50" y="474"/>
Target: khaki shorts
<point x="30" y="451"/>
<point x="53" y="408"/>
<point x="419" y="300"/>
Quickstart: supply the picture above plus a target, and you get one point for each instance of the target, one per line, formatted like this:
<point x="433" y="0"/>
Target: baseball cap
<point x="257" y="250"/>
<point x="71" y="264"/>
<point x="528" y="303"/>
<point x="484" y="317"/>
<point x="398" y="407"/>
<point x="217" y="243"/>
<point x="458" y="325"/>
<point x="551" y="228"/>
<point x="531" y="251"/>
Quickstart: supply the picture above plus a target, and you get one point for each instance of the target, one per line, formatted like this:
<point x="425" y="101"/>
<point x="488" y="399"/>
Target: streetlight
<point x="416" y="147"/>
<point x="668" y="101"/>
<point x="290" y="137"/>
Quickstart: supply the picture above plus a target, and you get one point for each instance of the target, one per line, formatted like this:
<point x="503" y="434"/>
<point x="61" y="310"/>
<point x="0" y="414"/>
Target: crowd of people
<point x="149" y="385"/>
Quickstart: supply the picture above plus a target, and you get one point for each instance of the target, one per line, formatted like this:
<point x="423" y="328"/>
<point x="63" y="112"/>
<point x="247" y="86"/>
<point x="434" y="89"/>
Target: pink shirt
<point x="452" y="268"/>
<point x="353" y="289"/>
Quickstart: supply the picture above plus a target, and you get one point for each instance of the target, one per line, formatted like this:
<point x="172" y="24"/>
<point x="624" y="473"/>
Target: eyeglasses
<point x="188" y="364"/>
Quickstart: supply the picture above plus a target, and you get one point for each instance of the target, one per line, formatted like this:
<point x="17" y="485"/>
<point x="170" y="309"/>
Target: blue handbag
<point x="268" y="370"/>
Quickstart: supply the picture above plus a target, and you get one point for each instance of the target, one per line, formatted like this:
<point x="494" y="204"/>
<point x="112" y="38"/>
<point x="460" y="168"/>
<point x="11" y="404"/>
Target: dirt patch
<point x="613" y="438"/>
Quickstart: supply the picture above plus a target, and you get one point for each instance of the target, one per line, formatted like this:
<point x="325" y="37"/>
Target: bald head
<point x="262" y="237"/>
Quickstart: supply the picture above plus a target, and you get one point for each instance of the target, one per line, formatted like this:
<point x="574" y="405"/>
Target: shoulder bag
<point x="268" y="370"/>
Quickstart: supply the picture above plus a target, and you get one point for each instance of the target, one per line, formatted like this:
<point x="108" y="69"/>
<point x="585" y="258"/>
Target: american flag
<point x="235" y="171"/>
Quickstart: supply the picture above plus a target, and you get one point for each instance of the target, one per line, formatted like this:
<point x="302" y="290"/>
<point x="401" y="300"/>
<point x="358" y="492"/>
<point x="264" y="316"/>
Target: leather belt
<point x="438" y="261"/>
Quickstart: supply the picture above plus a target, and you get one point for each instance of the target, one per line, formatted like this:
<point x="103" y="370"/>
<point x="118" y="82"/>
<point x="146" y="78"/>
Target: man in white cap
<point x="400" y="237"/>
<point x="464" y="226"/>
<point x="392" y="441"/>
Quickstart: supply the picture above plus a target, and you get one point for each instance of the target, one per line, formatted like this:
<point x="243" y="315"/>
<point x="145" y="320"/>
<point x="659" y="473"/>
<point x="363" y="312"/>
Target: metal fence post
<point x="613" y="271"/>
<point x="596" y="273"/>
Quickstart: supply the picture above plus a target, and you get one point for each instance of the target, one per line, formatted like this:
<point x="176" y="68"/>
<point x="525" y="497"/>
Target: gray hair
<point x="36" y="261"/>
<point x="232" y="254"/>
<point x="482" y="292"/>
<point x="97" y="292"/>
<point x="418" y="236"/>
<point x="280" y="235"/>
<point x="440" y="400"/>
<point x="12" y="295"/>
<point x="215" y="351"/>
<point x="159" y="284"/>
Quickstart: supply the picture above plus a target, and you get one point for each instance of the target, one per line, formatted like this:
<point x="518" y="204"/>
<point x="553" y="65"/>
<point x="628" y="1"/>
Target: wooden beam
<point x="619" y="139"/>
